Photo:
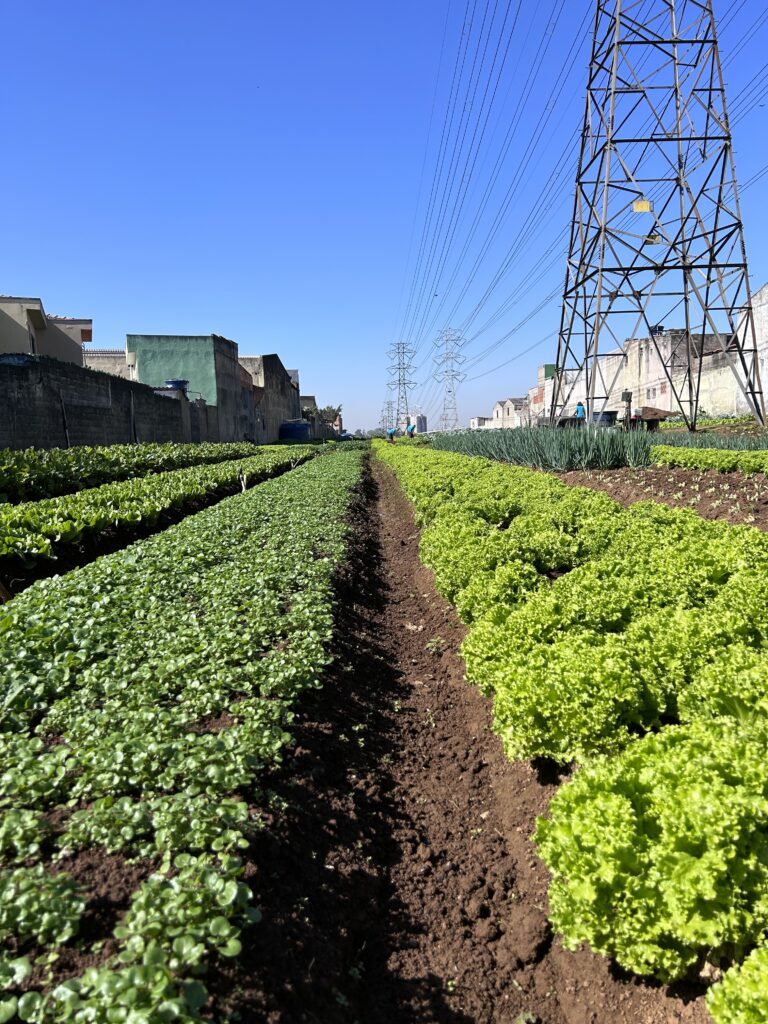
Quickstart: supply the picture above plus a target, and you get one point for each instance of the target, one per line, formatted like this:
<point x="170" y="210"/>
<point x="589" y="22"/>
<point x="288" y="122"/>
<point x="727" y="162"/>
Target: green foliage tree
<point x="329" y="413"/>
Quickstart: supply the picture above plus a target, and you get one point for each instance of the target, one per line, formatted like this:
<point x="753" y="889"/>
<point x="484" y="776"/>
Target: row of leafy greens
<point x="632" y="642"/>
<point x="725" y="461"/>
<point x="37" y="529"/>
<point x="35" y="473"/>
<point x="143" y="698"/>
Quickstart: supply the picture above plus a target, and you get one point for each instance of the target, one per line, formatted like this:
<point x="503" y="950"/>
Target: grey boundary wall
<point x="45" y="403"/>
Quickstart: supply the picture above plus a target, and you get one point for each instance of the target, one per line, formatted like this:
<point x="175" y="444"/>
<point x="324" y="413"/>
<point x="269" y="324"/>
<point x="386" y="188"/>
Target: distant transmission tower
<point x="388" y="414"/>
<point x="448" y="361"/>
<point x="401" y="369"/>
<point x="657" y="236"/>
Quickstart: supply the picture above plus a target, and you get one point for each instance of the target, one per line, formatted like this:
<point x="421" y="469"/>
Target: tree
<point x="329" y="413"/>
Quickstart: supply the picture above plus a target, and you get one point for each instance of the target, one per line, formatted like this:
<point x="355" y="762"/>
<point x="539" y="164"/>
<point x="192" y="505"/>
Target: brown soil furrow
<point x="399" y="882"/>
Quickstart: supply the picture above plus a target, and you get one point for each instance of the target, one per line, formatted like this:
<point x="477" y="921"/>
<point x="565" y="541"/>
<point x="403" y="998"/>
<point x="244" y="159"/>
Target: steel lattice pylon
<point x="400" y="370"/>
<point x="388" y="415"/>
<point x="448" y="361"/>
<point x="657" y="236"/>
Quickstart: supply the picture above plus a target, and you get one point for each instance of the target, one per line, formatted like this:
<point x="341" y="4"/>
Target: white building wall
<point x="640" y="369"/>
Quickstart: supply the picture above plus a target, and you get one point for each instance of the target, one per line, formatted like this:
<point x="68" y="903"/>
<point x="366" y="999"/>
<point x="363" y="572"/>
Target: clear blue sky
<point x="254" y="170"/>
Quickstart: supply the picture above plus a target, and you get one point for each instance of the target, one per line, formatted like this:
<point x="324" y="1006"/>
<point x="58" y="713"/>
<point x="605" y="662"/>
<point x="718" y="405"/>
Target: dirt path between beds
<point x="398" y="882"/>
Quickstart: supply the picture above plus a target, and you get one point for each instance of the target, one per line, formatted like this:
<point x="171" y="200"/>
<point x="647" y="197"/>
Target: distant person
<point x="410" y="429"/>
<point x="580" y="414"/>
<point x="391" y="435"/>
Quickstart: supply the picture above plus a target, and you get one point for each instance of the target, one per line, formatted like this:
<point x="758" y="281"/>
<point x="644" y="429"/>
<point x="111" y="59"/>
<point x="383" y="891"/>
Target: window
<point x="650" y="392"/>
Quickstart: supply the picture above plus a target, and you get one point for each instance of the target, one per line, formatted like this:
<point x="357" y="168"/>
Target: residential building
<point x="207" y="362"/>
<point x="276" y="394"/>
<point x="26" y="328"/>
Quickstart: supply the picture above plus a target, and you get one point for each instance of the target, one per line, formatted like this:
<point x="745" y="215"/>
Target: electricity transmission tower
<point x="448" y="361"/>
<point x="400" y="369"/>
<point x="388" y="414"/>
<point x="657" y="236"/>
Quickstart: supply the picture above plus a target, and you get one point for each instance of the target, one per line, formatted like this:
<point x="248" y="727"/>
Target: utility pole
<point x="401" y="368"/>
<point x="656" y="238"/>
<point x="448" y="361"/>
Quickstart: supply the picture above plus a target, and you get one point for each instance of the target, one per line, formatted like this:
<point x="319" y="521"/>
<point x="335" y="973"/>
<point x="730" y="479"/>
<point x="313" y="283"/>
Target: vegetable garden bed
<point x="36" y="473"/>
<point x="594" y="626"/>
<point x="143" y="697"/>
<point x="34" y="532"/>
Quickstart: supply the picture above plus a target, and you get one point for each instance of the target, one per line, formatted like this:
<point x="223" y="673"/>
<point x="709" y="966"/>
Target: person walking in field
<point x="580" y="414"/>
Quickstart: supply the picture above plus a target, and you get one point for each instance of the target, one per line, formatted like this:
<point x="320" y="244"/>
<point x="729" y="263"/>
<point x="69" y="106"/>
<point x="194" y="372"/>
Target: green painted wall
<point x="159" y="357"/>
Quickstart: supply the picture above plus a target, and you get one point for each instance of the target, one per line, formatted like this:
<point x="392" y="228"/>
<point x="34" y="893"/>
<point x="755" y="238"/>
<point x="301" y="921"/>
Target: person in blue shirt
<point x="580" y="414"/>
<point x="410" y="429"/>
<point x="391" y="434"/>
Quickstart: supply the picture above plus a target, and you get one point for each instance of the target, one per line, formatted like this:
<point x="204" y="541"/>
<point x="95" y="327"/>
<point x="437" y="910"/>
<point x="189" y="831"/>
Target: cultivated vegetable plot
<point x="593" y="627"/>
<point x="35" y="473"/>
<point x="730" y="461"/>
<point x="143" y="697"/>
<point x="548" y="448"/>
<point x="599" y="448"/>
<point x="35" y="530"/>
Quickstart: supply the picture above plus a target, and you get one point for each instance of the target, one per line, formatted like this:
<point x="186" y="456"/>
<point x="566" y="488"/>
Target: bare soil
<point x="732" y="497"/>
<point x="107" y="883"/>
<point x="397" y="879"/>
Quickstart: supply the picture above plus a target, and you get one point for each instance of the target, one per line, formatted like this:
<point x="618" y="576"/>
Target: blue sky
<point x="262" y="171"/>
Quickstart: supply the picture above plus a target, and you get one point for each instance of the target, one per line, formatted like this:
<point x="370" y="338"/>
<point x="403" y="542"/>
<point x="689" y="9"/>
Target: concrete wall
<point x="108" y="360"/>
<point x="321" y="431"/>
<point x="276" y="393"/>
<point x="229" y="401"/>
<point x="161" y="357"/>
<point x="44" y="398"/>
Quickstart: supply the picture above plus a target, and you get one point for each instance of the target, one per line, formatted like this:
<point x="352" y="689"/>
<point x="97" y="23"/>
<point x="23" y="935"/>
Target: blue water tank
<point x="295" y="430"/>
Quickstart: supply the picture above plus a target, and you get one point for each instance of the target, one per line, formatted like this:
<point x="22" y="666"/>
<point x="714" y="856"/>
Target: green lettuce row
<point x="35" y="530"/>
<point x="36" y="473"/>
<point x="147" y="693"/>
<point x="590" y="624"/>
<point x="742" y="996"/>
<point x="658" y="856"/>
<point x="710" y="458"/>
